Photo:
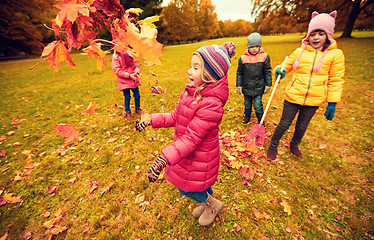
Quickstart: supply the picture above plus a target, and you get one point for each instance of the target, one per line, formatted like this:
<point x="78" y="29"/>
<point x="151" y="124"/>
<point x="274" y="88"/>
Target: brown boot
<point x="212" y="208"/>
<point x="128" y="115"/>
<point x="296" y="151"/>
<point x="138" y="111"/>
<point x="198" y="211"/>
<point x="271" y="153"/>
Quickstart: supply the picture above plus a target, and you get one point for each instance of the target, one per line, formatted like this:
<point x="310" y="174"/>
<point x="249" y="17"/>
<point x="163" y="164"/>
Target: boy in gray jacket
<point x="253" y="77"/>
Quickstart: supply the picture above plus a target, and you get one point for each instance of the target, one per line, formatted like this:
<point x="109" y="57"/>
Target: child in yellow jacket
<point x="318" y="77"/>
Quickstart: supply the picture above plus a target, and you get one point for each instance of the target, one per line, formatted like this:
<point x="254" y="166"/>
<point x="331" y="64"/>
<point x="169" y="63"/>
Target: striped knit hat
<point x="216" y="60"/>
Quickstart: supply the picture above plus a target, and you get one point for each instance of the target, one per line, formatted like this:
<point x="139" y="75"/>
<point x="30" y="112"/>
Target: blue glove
<point x="330" y="111"/>
<point x="282" y="73"/>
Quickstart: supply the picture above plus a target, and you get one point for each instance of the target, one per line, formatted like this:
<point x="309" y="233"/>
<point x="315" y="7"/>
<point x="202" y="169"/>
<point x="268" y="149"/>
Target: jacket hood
<point x="218" y="89"/>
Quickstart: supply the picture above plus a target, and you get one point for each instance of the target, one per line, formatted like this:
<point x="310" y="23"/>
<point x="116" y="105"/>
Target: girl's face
<point x="195" y="72"/>
<point x="254" y="50"/>
<point x="317" y="39"/>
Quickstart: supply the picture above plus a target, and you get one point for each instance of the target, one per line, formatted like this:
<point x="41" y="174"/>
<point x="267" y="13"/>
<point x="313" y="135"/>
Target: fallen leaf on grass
<point x="52" y="189"/>
<point x="248" y="173"/>
<point x="73" y="180"/>
<point x="86" y="229"/>
<point x="47" y="214"/>
<point x="107" y="188"/>
<point x="322" y="146"/>
<point x="139" y="199"/>
<point x="260" y="215"/>
<point x="67" y="130"/>
<point x="8" y="198"/>
<point x="91" y="108"/>
<point x="286" y="208"/>
<point x="237" y="227"/>
<point x="311" y="214"/>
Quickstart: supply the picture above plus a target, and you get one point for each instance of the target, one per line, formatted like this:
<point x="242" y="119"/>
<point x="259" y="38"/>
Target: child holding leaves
<point x="319" y="71"/>
<point x="127" y="70"/>
<point x="192" y="161"/>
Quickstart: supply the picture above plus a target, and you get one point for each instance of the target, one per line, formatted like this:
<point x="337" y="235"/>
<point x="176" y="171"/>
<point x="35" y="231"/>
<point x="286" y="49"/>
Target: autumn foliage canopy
<point x="78" y="21"/>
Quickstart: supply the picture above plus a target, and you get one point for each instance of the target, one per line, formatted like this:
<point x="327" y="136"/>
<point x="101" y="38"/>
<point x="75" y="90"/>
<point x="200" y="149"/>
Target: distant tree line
<point x="24" y="23"/>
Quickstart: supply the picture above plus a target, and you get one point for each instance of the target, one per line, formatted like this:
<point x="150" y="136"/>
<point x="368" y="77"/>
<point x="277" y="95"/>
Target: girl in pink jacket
<point x="191" y="163"/>
<point x="127" y="70"/>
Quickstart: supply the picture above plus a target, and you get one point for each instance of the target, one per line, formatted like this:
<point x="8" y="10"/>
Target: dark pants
<point x="199" y="197"/>
<point x="289" y="112"/>
<point x="126" y="93"/>
<point x="257" y="104"/>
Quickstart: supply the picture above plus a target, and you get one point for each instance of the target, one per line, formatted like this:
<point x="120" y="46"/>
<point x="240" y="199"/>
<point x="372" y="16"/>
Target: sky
<point x="226" y="9"/>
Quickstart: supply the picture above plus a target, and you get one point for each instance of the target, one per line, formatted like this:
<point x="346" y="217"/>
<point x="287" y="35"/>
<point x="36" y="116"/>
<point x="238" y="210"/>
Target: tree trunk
<point x="353" y="14"/>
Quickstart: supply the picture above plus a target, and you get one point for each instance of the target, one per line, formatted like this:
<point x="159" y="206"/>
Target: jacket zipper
<point x="176" y="124"/>
<point x="310" y="78"/>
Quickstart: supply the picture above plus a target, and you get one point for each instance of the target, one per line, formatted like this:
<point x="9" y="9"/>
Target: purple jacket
<point x="193" y="158"/>
<point x="123" y="65"/>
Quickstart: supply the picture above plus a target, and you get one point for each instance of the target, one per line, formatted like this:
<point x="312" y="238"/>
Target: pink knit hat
<point x="325" y="22"/>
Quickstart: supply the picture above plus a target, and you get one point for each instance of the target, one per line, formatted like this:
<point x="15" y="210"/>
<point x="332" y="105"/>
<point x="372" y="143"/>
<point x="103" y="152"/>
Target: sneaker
<point x="296" y="151"/>
<point x="128" y="115"/>
<point x="246" y="119"/>
<point x="138" y="111"/>
<point x="271" y="153"/>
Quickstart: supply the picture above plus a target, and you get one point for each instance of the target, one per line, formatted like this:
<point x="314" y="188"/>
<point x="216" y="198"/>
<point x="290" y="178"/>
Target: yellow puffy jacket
<point x="311" y="88"/>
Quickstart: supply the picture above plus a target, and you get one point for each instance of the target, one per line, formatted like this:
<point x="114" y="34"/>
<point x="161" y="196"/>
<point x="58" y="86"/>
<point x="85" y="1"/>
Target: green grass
<point x="335" y="182"/>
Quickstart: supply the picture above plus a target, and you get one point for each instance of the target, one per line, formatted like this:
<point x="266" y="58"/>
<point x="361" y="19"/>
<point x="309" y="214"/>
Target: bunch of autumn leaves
<point x="80" y="21"/>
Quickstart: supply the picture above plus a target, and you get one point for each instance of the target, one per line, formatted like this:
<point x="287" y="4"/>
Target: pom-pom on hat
<point x="216" y="60"/>
<point x="254" y="40"/>
<point x="319" y="21"/>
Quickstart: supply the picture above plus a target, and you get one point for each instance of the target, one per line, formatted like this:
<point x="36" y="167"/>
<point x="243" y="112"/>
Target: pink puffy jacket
<point x="193" y="158"/>
<point x="123" y="65"/>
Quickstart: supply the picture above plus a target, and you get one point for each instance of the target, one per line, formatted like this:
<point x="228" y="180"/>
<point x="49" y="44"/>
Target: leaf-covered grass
<point x="99" y="182"/>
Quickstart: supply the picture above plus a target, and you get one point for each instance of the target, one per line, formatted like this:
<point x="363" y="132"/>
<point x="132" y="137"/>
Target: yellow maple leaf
<point x="150" y="20"/>
<point x="286" y="207"/>
<point x="236" y="164"/>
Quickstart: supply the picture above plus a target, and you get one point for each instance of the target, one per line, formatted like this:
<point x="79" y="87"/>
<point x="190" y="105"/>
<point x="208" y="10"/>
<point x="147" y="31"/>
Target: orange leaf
<point x="67" y="130"/>
<point x="91" y="108"/>
<point x="57" y="52"/>
<point x="69" y="11"/>
<point x="248" y="173"/>
<point x="94" y="49"/>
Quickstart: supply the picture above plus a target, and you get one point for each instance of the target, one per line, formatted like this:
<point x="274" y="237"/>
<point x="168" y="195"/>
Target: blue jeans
<point x="199" y="197"/>
<point x="126" y="93"/>
<point x="257" y="104"/>
<point x="289" y="113"/>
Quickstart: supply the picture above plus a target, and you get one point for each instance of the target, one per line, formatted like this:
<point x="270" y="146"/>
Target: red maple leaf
<point x="67" y="130"/>
<point x="248" y="173"/>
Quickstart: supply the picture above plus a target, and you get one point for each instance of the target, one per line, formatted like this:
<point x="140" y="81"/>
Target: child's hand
<point x="278" y="71"/>
<point x="156" y="169"/>
<point x="134" y="77"/>
<point x="144" y="121"/>
<point x="330" y="111"/>
<point x="267" y="88"/>
<point x="239" y="90"/>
